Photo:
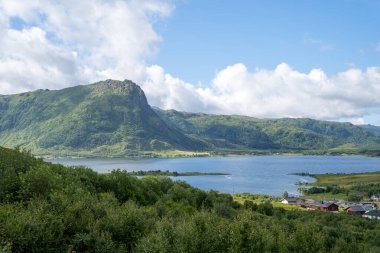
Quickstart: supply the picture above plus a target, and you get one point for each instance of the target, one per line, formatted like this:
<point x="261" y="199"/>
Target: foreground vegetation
<point x="354" y="186"/>
<point x="52" y="208"/>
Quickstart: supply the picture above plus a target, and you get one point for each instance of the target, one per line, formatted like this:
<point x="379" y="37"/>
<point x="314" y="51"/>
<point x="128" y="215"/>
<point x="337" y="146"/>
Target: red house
<point x="329" y="207"/>
<point x="325" y="207"/>
<point x="355" y="210"/>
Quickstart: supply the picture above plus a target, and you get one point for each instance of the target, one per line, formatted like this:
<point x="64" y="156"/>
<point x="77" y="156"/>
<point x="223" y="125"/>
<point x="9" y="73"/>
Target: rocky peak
<point x="123" y="88"/>
<point x="116" y="86"/>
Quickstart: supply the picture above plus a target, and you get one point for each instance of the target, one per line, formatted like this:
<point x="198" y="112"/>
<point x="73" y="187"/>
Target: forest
<point x="46" y="207"/>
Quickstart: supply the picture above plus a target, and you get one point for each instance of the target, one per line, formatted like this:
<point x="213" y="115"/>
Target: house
<point x="373" y="214"/>
<point x="329" y="207"/>
<point x="376" y="197"/>
<point x="355" y="210"/>
<point x="368" y="206"/>
<point x="293" y="201"/>
<point x="289" y="201"/>
<point x="308" y="202"/>
<point x="315" y="205"/>
<point x="325" y="206"/>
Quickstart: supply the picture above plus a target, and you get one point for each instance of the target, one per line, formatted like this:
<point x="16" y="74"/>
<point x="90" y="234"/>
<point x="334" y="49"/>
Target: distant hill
<point x="241" y="132"/>
<point x="113" y="118"/>
<point x="371" y="128"/>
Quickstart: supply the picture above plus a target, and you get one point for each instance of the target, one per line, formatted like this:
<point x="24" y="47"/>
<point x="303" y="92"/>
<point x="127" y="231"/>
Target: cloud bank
<point x="56" y="44"/>
<point x="282" y="92"/>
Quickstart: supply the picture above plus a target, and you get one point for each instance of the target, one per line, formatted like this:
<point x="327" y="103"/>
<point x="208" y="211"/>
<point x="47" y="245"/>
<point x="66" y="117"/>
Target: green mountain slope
<point x="113" y="118"/>
<point x="109" y="116"/>
<point x="284" y="134"/>
<point x="371" y="128"/>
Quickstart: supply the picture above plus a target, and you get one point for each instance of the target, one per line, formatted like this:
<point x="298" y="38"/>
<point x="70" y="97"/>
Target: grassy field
<point x="325" y="196"/>
<point x="355" y="186"/>
<point x="261" y="198"/>
<point x="346" y="180"/>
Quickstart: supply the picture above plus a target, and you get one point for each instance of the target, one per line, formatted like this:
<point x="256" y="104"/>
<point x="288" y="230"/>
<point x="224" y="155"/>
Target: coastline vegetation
<point x="354" y="186"/>
<point x="175" y="153"/>
<point x="174" y="173"/>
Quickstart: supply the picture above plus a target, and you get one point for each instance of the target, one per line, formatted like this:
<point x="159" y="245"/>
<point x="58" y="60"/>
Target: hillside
<point x="113" y="118"/>
<point x="240" y="132"/>
<point x="371" y="128"/>
<point x="51" y="208"/>
<point x="102" y="118"/>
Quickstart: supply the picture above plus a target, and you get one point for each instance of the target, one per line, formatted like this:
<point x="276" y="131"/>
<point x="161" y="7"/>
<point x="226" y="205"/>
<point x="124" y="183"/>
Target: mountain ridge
<point x="280" y="131"/>
<point x="113" y="117"/>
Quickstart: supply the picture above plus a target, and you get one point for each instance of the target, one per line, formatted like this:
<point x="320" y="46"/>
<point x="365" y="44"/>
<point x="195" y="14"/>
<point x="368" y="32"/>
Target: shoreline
<point x="193" y="155"/>
<point x="168" y="173"/>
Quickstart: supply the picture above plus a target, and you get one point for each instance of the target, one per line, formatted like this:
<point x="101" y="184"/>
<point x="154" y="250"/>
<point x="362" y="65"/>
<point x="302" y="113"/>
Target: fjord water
<point x="255" y="174"/>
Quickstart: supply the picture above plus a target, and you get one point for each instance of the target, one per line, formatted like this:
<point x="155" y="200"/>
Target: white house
<point x="293" y="201"/>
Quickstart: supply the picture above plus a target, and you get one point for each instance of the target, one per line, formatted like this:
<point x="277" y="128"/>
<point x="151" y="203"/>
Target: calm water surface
<point x="256" y="174"/>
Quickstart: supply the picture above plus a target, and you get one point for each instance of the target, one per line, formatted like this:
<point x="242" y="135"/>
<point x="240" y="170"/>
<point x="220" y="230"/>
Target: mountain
<point x="241" y="132"/>
<point x="105" y="117"/>
<point x="371" y="128"/>
<point x="113" y="118"/>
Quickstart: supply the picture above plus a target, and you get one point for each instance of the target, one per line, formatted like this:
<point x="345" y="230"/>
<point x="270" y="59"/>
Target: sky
<point x="266" y="59"/>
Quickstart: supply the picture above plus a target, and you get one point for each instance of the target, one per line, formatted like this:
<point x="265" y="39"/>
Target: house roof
<point x="291" y="199"/>
<point x="323" y="204"/>
<point x="356" y="208"/>
<point x="368" y="203"/>
<point x="373" y="213"/>
<point x="333" y="201"/>
<point x="328" y="204"/>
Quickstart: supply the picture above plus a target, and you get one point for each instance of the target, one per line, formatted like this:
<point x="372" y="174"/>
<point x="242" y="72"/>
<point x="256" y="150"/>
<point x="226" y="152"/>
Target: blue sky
<point x="266" y="59"/>
<point x="202" y="37"/>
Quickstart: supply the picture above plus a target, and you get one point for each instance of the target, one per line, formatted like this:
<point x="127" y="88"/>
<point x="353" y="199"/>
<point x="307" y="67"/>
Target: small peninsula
<point x="353" y="186"/>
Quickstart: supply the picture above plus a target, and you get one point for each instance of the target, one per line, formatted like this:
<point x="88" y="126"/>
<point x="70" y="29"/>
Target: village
<point x="367" y="209"/>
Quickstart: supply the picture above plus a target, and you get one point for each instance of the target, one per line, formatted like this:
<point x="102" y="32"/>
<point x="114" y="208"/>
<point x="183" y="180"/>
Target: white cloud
<point x="282" y="92"/>
<point x="29" y="61"/>
<point x="168" y="92"/>
<point x="71" y="42"/>
<point x="357" y="121"/>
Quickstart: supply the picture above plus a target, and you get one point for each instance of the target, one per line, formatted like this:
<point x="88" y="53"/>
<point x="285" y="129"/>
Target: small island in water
<point x="168" y="173"/>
